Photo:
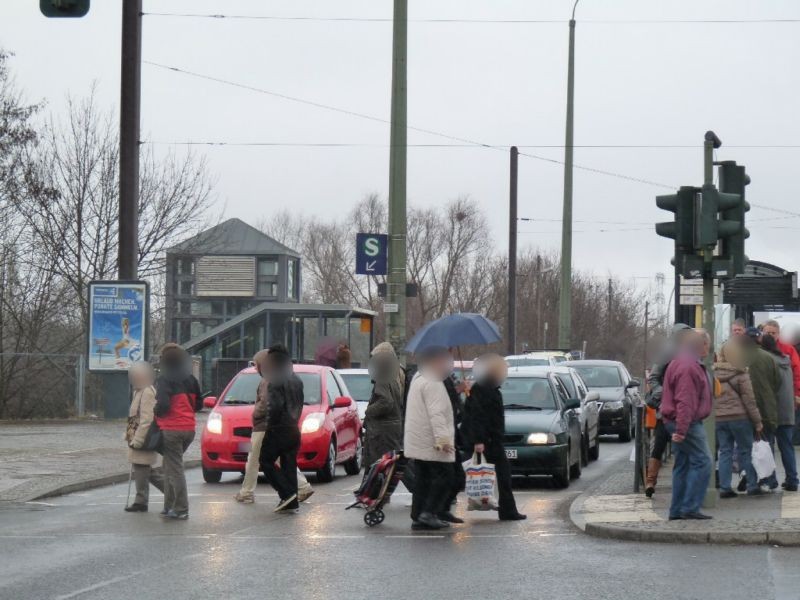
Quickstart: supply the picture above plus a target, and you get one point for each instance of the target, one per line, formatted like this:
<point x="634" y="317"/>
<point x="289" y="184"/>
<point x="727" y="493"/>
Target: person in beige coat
<point x="429" y="439"/>
<point x="140" y="420"/>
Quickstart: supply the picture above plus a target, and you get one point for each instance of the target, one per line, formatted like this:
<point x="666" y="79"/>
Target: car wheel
<point x="625" y="435"/>
<point x="561" y="479"/>
<point x="594" y="453"/>
<point x="353" y="466"/>
<point x="211" y="475"/>
<point x="585" y="449"/>
<point x="328" y="471"/>
<point x="575" y="470"/>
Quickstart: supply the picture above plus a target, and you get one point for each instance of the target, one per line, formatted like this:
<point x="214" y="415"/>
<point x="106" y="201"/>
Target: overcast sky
<point x="644" y="83"/>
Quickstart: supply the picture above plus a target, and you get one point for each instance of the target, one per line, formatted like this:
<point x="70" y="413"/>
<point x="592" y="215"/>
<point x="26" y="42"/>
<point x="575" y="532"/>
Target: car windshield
<point x="244" y="387"/>
<point x="568" y="383"/>
<point x="359" y="385"/>
<point x="600" y="376"/>
<point x="528" y="392"/>
<point x="527" y="362"/>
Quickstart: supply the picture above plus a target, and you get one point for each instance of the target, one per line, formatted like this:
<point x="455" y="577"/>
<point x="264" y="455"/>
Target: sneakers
<point x="728" y="494"/>
<point x="304" y="494"/>
<point x="286" y="504"/>
<point x="178" y="516"/>
<point x="164" y="512"/>
<point x="742" y="487"/>
<point x="143" y="507"/>
<point x="245" y="497"/>
<point x="789" y="487"/>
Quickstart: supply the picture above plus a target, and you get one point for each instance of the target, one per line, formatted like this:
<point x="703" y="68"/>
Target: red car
<point x="329" y="425"/>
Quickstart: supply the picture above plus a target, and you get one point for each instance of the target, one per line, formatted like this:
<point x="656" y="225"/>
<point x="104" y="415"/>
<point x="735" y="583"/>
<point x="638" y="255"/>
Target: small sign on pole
<point x="372" y="250"/>
<point x="390" y="307"/>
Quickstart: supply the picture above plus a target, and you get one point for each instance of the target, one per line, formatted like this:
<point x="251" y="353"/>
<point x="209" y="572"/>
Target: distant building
<point x="224" y="272"/>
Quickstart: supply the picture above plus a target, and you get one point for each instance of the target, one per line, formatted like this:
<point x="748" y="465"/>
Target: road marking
<point x="41" y="503"/>
<point x="555" y="534"/>
<point x="317" y="536"/>
<point x="620" y="508"/>
<point x="107" y="582"/>
<point x="489" y="535"/>
<point x="790" y="506"/>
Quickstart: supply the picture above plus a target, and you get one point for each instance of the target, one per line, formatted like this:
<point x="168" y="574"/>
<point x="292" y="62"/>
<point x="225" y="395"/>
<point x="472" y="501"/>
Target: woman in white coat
<point x="140" y="420"/>
<point x="429" y="439"/>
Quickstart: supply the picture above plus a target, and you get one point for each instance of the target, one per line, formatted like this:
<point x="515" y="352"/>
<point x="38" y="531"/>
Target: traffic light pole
<point x="512" y="252"/>
<point x="711" y="141"/>
<point x="396" y="288"/>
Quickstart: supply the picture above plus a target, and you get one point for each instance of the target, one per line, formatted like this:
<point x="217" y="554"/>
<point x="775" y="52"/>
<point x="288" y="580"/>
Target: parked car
<point x="543" y="428"/>
<point x="329" y="425"/>
<point x="538" y="359"/>
<point x="588" y="412"/>
<point x="359" y="383"/>
<point x="619" y="394"/>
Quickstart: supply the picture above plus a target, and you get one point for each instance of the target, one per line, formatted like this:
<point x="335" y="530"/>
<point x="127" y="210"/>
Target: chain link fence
<point x="46" y="386"/>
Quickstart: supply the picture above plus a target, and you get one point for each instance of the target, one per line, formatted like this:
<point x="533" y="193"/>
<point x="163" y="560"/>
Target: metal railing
<point x="42" y="385"/>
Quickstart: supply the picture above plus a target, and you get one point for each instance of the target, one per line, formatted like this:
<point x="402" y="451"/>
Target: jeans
<point x="282" y="445"/>
<point x="691" y="472"/>
<point x="175" y="445"/>
<point x="784" y="437"/>
<point x="740" y="433"/>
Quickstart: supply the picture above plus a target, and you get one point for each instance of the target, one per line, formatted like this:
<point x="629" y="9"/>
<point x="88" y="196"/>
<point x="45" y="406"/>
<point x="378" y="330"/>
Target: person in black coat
<point x="459" y="477"/>
<point x="485" y="417"/>
<point x="282" y="438"/>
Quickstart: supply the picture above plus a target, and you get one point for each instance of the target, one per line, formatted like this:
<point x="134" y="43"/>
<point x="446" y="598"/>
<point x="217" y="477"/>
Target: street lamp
<point x="565" y="295"/>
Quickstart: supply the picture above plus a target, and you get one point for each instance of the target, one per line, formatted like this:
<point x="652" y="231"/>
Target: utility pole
<point x="610" y="302"/>
<point x="396" y="281"/>
<point x="710" y="143"/>
<point x="512" y="253"/>
<point x="565" y="295"/>
<point x="130" y="109"/>
<point x="539" y="301"/>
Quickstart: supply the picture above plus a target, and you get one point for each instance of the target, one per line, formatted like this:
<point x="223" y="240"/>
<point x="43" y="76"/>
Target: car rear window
<point x="244" y="387"/>
<point x="600" y="376"/>
<point x="527" y="362"/>
<point x="359" y="385"/>
<point x="535" y="392"/>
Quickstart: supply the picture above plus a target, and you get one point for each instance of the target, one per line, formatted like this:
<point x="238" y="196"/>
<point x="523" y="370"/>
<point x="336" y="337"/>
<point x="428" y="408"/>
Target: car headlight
<point x="312" y="423"/>
<point x="214" y="424"/>
<point x="541" y="439"/>
<point x="615" y="405"/>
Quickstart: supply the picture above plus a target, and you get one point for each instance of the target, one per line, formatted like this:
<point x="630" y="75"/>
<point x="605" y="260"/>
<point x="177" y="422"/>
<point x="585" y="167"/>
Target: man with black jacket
<point x="178" y="398"/>
<point x="459" y="477"/>
<point x="282" y="439"/>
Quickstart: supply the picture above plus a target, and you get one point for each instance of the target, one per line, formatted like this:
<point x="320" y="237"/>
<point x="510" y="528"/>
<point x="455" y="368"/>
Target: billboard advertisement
<point x="118" y="318"/>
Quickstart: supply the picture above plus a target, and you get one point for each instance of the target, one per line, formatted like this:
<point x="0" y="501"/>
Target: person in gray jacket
<point x="383" y="421"/>
<point x="786" y="415"/>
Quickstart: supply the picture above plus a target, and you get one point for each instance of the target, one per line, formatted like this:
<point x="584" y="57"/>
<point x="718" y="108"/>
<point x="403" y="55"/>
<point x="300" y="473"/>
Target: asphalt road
<point x="84" y="546"/>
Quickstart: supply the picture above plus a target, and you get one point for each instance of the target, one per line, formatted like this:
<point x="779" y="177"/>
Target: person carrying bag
<point x="143" y="436"/>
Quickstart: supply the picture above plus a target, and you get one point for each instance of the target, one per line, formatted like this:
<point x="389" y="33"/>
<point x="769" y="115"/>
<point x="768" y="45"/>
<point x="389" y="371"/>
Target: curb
<point x="631" y="534"/>
<point x="89" y="484"/>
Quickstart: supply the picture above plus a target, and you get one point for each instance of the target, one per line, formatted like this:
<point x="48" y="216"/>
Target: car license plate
<point x="245" y="447"/>
<point x="511" y="453"/>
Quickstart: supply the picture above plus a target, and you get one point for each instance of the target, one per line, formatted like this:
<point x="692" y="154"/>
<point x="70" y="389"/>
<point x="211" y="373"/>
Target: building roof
<point x="284" y="307"/>
<point x="232" y="237"/>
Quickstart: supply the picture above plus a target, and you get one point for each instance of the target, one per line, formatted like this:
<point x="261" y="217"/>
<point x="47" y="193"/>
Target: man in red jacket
<point x="773" y="329"/>
<point x="686" y="401"/>
<point x="178" y="398"/>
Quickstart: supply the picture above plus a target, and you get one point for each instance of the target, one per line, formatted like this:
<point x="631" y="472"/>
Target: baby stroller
<point x="378" y="485"/>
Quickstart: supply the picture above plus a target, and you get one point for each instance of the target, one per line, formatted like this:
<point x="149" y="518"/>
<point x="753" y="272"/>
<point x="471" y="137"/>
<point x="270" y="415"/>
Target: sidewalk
<point x="611" y="510"/>
<point x="48" y="458"/>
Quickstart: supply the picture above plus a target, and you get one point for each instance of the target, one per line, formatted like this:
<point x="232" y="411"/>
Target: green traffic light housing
<point x="732" y="181"/>
<point x="64" y="8"/>
<point x="682" y="205"/>
<point x="709" y="227"/>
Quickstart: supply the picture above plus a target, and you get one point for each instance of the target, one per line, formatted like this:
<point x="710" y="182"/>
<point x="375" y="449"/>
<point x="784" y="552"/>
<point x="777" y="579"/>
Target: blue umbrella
<point x="462" y="329"/>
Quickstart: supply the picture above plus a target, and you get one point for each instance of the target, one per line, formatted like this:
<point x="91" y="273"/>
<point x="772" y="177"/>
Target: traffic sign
<point x="390" y="307"/>
<point x="371" y="253"/>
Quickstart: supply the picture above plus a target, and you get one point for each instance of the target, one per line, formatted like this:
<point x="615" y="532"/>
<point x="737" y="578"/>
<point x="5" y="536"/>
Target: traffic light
<point x="732" y="180"/>
<point x="64" y="8"/>
<point x="709" y="227"/>
<point x="682" y="205"/>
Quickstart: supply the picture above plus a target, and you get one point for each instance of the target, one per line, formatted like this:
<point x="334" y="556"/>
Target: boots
<point x="653" y="466"/>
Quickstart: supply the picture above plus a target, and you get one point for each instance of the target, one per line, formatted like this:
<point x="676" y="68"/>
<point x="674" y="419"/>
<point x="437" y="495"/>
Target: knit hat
<point x="384" y="348"/>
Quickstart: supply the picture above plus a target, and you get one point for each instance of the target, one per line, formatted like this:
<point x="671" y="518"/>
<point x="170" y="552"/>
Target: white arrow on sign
<point x="371" y="265"/>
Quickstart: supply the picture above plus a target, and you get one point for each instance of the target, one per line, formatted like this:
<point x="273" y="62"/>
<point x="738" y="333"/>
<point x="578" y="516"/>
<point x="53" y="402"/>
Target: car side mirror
<point x="593" y="396"/>
<point x="342" y="402"/>
<point x="633" y="383"/>
<point x="209" y="402"/>
<point x="572" y="404"/>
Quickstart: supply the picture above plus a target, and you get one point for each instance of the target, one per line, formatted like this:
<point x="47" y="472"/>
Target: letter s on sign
<point x="372" y="246"/>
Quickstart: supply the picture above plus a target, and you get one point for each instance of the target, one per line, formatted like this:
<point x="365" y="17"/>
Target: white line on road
<point x="414" y="537"/>
<point x="555" y="534"/>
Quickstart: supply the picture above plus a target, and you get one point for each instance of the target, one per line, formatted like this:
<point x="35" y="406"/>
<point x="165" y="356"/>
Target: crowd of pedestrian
<point x="752" y="387"/>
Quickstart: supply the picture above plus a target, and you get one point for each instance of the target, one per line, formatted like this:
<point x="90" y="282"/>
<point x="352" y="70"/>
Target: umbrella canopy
<point x="462" y="329"/>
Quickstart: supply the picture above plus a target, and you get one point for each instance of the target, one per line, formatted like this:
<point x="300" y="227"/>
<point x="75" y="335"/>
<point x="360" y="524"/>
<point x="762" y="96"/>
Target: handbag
<point x="154" y="438"/>
<point x="481" y="483"/>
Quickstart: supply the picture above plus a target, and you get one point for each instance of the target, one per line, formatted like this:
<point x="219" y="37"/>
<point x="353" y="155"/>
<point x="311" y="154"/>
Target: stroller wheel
<point x="371" y="518"/>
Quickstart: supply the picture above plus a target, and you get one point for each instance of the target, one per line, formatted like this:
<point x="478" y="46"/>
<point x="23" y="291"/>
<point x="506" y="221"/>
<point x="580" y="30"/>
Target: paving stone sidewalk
<point x="612" y="510"/>
<point x="46" y="458"/>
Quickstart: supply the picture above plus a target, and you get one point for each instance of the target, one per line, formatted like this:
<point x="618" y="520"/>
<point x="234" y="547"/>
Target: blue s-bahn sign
<point x="372" y="250"/>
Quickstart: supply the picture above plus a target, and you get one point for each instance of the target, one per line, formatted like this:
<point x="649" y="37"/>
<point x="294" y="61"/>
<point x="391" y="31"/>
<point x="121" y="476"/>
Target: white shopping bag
<point x="481" y="486"/>
<point x="763" y="460"/>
